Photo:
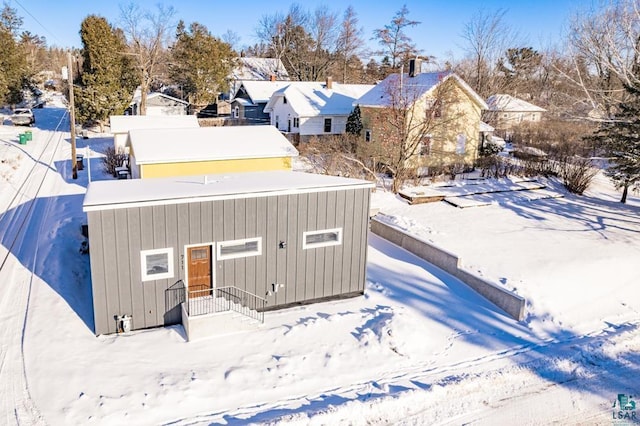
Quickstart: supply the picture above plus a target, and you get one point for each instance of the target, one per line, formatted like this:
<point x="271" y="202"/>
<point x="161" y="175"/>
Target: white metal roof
<point x="125" y="123"/>
<point x="412" y="88"/>
<point x="117" y="194"/>
<point x="208" y="143"/>
<point x="508" y="103"/>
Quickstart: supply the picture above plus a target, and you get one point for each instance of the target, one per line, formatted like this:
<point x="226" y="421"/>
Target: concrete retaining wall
<point x="508" y="301"/>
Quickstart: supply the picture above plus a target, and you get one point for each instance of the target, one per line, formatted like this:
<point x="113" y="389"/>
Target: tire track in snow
<point x="427" y="373"/>
<point x="17" y="406"/>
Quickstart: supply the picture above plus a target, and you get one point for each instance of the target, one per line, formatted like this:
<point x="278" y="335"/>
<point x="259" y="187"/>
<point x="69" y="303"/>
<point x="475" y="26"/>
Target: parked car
<point x="23" y="117"/>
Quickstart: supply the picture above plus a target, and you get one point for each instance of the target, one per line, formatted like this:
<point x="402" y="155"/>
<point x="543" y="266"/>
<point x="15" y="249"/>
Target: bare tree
<point x="604" y="47"/>
<point x="148" y="35"/>
<point x="350" y="40"/>
<point x="413" y="128"/>
<point x="396" y="44"/>
<point x="487" y="38"/>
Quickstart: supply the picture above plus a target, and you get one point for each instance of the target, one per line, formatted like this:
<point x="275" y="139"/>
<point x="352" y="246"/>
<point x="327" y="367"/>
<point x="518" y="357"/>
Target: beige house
<point x="505" y="112"/>
<point x="442" y="118"/>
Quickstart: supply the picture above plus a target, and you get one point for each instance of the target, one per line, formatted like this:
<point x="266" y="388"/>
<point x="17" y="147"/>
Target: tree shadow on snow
<point x="50" y="247"/>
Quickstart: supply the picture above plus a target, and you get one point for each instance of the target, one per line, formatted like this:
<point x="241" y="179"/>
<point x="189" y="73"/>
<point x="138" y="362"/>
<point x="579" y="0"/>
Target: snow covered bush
<point x="113" y="159"/>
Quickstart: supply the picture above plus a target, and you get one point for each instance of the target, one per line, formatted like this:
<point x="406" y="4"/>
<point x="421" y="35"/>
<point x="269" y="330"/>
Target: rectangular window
<point x="322" y="238"/>
<point x="327" y="125"/>
<point x="425" y="146"/>
<point x="236" y="112"/>
<point x="296" y="122"/>
<point x="284" y="99"/>
<point x="434" y="108"/>
<point x="239" y="248"/>
<point x="156" y="264"/>
<point x="367" y="135"/>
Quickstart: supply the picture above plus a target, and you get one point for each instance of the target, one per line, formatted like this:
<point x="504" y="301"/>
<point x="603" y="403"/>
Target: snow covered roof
<point x="508" y="103"/>
<point x="259" y="69"/>
<point x="261" y="91"/>
<point x="208" y="143"/>
<point x="413" y="88"/>
<point x="313" y="98"/>
<point x="138" y="94"/>
<point x="484" y="127"/>
<point x="125" y="123"/>
<point x="114" y="194"/>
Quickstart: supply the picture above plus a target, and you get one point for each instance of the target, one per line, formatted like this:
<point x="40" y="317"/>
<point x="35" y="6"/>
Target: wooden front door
<point x="199" y="280"/>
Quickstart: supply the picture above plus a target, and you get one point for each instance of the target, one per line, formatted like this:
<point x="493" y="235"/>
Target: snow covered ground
<point x="419" y="348"/>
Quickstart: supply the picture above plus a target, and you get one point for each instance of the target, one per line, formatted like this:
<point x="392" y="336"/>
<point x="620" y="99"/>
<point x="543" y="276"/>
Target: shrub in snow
<point x="576" y="173"/>
<point x="113" y="159"/>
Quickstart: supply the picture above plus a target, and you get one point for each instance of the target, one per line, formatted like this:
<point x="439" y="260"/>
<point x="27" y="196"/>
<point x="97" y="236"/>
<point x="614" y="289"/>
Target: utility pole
<point x="72" y="118"/>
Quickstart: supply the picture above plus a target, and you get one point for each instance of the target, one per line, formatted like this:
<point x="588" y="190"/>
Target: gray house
<point x="183" y="249"/>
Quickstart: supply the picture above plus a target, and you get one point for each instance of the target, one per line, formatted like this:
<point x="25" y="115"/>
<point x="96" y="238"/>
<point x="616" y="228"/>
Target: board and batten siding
<point x="283" y="276"/>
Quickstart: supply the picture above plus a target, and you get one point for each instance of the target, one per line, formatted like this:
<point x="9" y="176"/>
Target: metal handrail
<point x="222" y="299"/>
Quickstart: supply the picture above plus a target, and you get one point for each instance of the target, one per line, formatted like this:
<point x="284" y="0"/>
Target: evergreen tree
<point x="200" y="63"/>
<point x="354" y="122"/>
<point x="621" y="140"/>
<point x="13" y="73"/>
<point x="107" y="76"/>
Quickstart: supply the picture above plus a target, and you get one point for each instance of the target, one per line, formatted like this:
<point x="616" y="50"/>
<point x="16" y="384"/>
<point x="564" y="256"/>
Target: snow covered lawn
<point x="418" y="348"/>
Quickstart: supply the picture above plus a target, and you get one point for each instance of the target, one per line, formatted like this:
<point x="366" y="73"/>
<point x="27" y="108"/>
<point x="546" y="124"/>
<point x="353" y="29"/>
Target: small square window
<point x="322" y="238"/>
<point x="156" y="264"/>
<point x="239" y="248"/>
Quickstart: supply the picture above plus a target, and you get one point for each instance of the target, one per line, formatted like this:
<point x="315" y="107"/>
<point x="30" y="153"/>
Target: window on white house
<point x="327" y="125"/>
<point x="239" y="248"/>
<point x="321" y="238"/>
<point x="367" y="135"/>
<point x="156" y="264"/>
<point x="296" y="122"/>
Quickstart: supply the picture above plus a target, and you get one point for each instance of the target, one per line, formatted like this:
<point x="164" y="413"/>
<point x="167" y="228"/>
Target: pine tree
<point x="13" y="73"/>
<point x="354" y="122"/>
<point x="620" y="138"/>
<point x="106" y="80"/>
<point x="200" y="63"/>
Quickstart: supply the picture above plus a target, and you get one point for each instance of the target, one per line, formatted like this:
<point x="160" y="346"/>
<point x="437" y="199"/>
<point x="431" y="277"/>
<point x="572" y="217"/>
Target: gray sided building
<point x="288" y="237"/>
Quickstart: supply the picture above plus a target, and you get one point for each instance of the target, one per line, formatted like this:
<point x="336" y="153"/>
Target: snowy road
<point x="21" y="223"/>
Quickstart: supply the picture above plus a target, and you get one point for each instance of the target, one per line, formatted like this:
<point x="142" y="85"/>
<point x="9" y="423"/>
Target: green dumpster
<point x="29" y="135"/>
<point x="23" y="139"/>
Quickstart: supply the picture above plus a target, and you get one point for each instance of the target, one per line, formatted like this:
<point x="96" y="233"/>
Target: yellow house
<point x="208" y="150"/>
<point x="436" y="114"/>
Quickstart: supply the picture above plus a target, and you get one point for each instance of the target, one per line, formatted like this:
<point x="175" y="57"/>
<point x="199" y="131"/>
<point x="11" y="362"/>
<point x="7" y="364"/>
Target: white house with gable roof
<point x="314" y="108"/>
<point x="505" y="112"/>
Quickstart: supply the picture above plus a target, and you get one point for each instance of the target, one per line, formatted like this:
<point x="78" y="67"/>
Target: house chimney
<point x="329" y="83"/>
<point x="415" y="67"/>
<point x="272" y="77"/>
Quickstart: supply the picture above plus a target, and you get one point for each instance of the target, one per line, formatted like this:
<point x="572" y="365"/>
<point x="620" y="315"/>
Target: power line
<point x="38" y="22"/>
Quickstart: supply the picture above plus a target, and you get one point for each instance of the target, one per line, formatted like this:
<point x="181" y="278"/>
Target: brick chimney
<point x="329" y="83"/>
<point x="415" y="67"/>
